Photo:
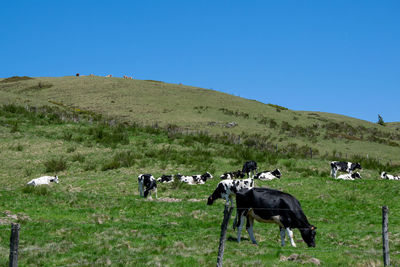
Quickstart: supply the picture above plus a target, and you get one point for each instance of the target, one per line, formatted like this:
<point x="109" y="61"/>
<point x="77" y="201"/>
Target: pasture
<point x="95" y="216"/>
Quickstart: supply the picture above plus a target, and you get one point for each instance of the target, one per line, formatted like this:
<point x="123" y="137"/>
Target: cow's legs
<point x="282" y="230"/>
<point x="155" y="191"/>
<point x="290" y="234"/>
<point x="141" y="189"/>
<point x="241" y="221"/>
<point x="250" y="221"/>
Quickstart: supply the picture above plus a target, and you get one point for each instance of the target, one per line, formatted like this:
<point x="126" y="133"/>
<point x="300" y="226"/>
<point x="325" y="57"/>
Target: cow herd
<point x="252" y="203"/>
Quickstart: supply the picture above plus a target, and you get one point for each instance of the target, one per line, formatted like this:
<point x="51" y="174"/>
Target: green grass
<point x="191" y="109"/>
<point x="95" y="216"/>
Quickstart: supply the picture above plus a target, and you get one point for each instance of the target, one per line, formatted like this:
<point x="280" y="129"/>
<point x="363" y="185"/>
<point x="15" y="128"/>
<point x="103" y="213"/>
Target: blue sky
<point x="333" y="56"/>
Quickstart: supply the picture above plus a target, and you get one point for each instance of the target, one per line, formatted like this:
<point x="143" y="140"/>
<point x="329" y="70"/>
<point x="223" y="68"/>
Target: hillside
<point x="190" y="109"/>
<point x="95" y="217"/>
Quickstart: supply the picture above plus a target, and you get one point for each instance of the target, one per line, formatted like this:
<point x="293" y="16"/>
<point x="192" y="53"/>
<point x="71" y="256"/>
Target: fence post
<point x="311" y="152"/>
<point x="14" y="239"/>
<point x="227" y="214"/>
<point x="385" y="236"/>
<point x="276" y="148"/>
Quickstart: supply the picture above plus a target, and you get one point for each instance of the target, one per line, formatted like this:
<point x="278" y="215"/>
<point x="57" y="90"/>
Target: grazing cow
<point x="344" y="167"/>
<point x="273" y="206"/>
<point x="249" y="167"/>
<point x="231" y="175"/>
<point x="349" y="176"/>
<point x="43" y="180"/>
<point x="268" y="175"/>
<point x="166" y="179"/>
<point x="109" y="76"/>
<point x="150" y="184"/>
<point x="385" y="175"/>
<point x="226" y="190"/>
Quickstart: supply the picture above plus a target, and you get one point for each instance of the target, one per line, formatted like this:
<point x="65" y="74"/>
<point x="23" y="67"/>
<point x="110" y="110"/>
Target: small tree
<point x="380" y="120"/>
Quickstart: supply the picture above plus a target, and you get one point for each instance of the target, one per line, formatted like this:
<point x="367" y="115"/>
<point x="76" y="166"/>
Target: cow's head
<point x="357" y="166"/>
<point x="277" y="173"/>
<point x="308" y="235"/>
<point x="55" y="179"/>
<point x="216" y="194"/>
<point x="383" y="175"/>
<point x="206" y="176"/>
<point x="356" y="175"/>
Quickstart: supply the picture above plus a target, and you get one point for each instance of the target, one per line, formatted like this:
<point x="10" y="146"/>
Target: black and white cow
<point x="195" y="179"/>
<point x="232" y="175"/>
<point x="273" y="206"/>
<point x="344" y="167"/>
<point x="165" y="179"/>
<point x="44" y="180"/>
<point x="227" y="189"/>
<point x="268" y="175"/>
<point x="385" y="175"/>
<point x="249" y="167"/>
<point x="150" y="184"/>
<point x="349" y="176"/>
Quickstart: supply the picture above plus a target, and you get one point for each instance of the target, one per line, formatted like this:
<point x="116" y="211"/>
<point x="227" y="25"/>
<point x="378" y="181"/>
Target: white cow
<point x="268" y="175"/>
<point x="43" y="180"/>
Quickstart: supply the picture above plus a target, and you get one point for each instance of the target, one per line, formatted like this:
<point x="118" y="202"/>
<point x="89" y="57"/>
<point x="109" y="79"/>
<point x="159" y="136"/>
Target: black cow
<point x="148" y="181"/>
<point x="344" y="167"/>
<point x="249" y="167"/>
<point x="273" y="206"/>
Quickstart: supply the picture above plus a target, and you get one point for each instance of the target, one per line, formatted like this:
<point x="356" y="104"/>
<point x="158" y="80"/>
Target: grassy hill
<point x="189" y="109"/>
<point x="83" y="130"/>
<point x="94" y="216"/>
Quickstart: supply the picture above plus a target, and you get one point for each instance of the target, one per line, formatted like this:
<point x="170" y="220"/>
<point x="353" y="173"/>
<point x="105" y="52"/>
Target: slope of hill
<point x="95" y="217"/>
<point x="195" y="109"/>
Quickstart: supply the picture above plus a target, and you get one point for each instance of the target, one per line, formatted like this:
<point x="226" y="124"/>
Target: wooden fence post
<point x="14" y="239"/>
<point x="385" y="236"/>
<point x="227" y="214"/>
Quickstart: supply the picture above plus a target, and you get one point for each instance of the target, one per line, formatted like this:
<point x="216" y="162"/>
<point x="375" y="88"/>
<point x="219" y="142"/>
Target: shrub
<point x="121" y="159"/>
<point x="78" y="157"/>
<point x="15" y="79"/>
<point x="55" y="165"/>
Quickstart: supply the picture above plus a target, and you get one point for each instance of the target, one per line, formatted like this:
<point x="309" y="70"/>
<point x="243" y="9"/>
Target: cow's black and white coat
<point x="349" y="176"/>
<point x="273" y="206"/>
<point x="385" y="175"/>
<point x="232" y="175"/>
<point x="344" y="167"/>
<point x="165" y="179"/>
<point x="44" y="180"/>
<point x="227" y="189"/>
<point x="268" y="175"/>
<point x="250" y="167"/>
<point x="150" y="184"/>
<point x="195" y="179"/>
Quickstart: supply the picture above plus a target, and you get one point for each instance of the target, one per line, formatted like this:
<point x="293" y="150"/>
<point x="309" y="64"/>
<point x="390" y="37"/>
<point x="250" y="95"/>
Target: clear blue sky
<point x="333" y="56"/>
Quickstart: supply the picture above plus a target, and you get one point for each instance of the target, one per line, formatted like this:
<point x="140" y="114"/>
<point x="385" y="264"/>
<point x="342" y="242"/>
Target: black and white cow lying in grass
<point x="344" y="167"/>
<point x="268" y="175"/>
<point x="165" y="179"/>
<point x="227" y="189"/>
<point x="385" y="175"/>
<point x="273" y="206"/>
<point x="348" y="176"/>
<point x="150" y="184"/>
<point x="232" y="175"/>
<point x="44" y="180"/>
<point x="250" y="167"/>
<point x="195" y="179"/>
